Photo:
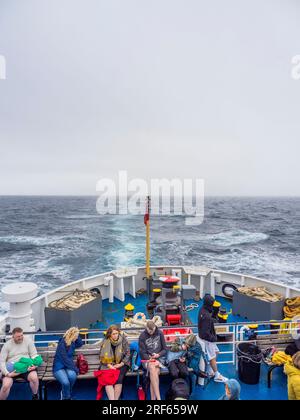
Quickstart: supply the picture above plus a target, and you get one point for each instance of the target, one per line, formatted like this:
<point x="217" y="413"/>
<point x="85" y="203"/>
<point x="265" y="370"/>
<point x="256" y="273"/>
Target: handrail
<point x="229" y="324"/>
<point x="231" y="329"/>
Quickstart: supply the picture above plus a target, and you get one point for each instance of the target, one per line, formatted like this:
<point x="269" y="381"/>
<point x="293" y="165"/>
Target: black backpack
<point x="179" y="388"/>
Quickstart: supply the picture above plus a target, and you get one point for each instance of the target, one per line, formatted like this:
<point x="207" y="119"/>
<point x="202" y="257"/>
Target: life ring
<point x="228" y="289"/>
<point x="157" y="320"/>
<point x="95" y="290"/>
<point x="139" y="316"/>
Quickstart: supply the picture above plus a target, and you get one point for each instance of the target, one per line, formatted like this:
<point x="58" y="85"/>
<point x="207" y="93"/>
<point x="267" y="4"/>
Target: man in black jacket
<point x="208" y="337"/>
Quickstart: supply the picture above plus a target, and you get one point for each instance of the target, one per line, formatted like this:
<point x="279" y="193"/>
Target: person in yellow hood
<point x="292" y="370"/>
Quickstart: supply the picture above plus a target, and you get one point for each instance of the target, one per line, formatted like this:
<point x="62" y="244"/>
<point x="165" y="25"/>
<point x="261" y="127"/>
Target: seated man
<point x="19" y="346"/>
<point x="152" y="349"/>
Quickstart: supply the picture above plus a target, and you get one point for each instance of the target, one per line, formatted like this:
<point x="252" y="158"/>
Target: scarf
<point x="107" y="355"/>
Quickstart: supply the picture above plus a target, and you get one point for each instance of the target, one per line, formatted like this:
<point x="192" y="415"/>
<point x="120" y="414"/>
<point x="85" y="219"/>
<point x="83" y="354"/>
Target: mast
<point x="147" y="223"/>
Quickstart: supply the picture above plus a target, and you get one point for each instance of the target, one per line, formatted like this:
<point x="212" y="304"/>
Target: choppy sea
<point x="54" y="240"/>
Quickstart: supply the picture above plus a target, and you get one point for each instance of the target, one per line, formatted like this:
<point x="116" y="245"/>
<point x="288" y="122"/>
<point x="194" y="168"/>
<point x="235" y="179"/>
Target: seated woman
<point x="293" y="348"/>
<point x="176" y="360"/>
<point x="194" y="355"/>
<point x="64" y="369"/>
<point x="115" y="354"/>
<point x="292" y="370"/>
<point x="153" y="349"/>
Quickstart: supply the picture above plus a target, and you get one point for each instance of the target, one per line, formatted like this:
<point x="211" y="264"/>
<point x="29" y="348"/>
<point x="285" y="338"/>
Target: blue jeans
<point x="67" y="379"/>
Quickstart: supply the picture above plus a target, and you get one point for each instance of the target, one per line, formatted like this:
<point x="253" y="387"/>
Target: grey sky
<point x="159" y="88"/>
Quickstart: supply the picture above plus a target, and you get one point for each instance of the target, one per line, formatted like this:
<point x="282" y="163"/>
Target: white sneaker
<point x="200" y="381"/>
<point x="220" y="378"/>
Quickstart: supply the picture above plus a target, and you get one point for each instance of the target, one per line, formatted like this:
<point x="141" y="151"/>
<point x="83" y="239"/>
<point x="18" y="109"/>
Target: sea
<point x="52" y="240"/>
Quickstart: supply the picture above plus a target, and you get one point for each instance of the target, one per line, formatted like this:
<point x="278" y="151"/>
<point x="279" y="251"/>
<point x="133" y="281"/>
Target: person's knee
<point x="154" y="372"/>
<point x="6" y="386"/>
<point x="33" y="378"/>
<point x="72" y="376"/>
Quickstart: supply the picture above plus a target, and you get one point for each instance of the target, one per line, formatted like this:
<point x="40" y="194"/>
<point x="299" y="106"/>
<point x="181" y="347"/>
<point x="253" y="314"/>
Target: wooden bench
<point x="91" y="354"/>
<point x="280" y="341"/>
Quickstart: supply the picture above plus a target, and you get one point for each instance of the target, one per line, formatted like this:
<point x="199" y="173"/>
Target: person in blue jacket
<point x="232" y="390"/>
<point x="64" y="369"/>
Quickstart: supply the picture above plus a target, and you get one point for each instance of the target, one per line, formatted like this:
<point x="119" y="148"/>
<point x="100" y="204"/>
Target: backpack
<point x="179" y="389"/>
<point x="82" y="364"/>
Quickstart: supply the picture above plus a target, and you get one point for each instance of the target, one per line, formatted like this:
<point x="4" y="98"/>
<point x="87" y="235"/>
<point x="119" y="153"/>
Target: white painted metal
<point x="19" y="296"/>
<point x="195" y="276"/>
<point x="177" y="273"/>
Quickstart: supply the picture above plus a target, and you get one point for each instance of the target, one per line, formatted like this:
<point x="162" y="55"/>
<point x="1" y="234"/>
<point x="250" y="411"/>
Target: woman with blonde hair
<point x="115" y="354"/>
<point x="64" y="368"/>
<point x="292" y="370"/>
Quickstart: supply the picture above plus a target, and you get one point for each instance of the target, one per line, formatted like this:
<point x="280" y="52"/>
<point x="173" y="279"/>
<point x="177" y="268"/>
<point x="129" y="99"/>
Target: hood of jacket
<point x="234" y="388"/>
<point x="208" y="302"/>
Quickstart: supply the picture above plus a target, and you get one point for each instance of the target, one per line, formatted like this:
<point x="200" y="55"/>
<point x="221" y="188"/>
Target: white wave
<point x="33" y="240"/>
<point x="82" y="216"/>
<point x="236" y="237"/>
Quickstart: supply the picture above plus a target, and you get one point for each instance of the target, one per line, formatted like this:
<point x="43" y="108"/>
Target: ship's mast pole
<point x="147" y="223"/>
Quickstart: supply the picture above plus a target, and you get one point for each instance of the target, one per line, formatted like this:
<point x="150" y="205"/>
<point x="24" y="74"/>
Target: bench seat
<point x="280" y="341"/>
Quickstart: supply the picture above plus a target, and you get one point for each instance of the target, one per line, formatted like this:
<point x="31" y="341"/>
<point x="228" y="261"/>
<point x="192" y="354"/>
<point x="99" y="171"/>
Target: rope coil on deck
<point x="74" y="300"/>
<point x="261" y="293"/>
<point x="292" y="307"/>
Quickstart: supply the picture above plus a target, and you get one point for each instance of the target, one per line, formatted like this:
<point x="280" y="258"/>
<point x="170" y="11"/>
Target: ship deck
<point x="114" y="313"/>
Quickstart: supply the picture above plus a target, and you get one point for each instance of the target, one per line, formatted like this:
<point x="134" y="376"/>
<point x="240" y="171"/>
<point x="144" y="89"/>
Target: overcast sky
<point x="160" y="88"/>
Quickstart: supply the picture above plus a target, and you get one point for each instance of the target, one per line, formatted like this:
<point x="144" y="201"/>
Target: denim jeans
<point x="67" y="379"/>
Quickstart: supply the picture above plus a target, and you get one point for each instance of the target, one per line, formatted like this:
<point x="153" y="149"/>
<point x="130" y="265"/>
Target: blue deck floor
<point x="114" y="313"/>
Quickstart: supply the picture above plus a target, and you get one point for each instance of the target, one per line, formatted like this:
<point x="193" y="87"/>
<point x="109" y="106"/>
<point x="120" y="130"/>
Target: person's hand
<point x="12" y="374"/>
<point x="182" y="359"/>
<point x="31" y="368"/>
<point x="118" y="365"/>
<point x="155" y="356"/>
<point x="184" y="346"/>
<point x="111" y="366"/>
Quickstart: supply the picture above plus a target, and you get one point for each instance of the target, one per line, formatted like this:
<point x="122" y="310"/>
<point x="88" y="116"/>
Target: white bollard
<point x="19" y="296"/>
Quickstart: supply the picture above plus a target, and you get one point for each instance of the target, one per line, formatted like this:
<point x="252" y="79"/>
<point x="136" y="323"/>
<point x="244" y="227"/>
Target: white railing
<point x="39" y="303"/>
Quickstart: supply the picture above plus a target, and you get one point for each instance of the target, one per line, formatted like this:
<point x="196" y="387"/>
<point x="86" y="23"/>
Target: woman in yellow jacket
<point x="292" y="370"/>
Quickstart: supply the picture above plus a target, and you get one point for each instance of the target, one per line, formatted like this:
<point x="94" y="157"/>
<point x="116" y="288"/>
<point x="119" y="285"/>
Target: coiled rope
<point x="74" y="300"/>
<point x="261" y="293"/>
<point x="292" y="307"/>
